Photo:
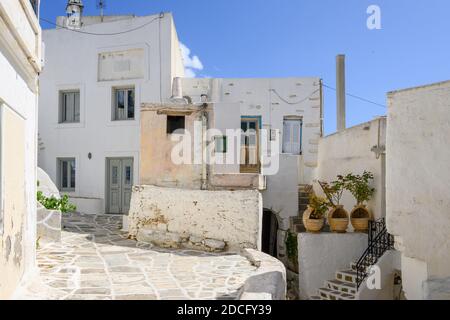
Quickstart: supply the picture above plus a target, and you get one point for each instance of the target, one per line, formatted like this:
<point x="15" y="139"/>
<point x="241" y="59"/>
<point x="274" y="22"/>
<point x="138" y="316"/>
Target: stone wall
<point x="208" y="220"/>
<point x="269" y="282"/>
<point x="418" y="180"/>
<point x="48" y="225"/>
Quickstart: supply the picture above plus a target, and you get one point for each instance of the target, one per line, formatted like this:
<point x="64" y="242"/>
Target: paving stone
<point x="95" y="261"/>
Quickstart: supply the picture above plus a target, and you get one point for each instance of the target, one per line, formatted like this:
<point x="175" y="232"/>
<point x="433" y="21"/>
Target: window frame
<point x="115" y="92"/>
<point x="168" y="128"/>
<point x="300" y="142"/>
<point x="221" y="141"/>
<point x="62" y="107"/>
<point x="69" y="174"/>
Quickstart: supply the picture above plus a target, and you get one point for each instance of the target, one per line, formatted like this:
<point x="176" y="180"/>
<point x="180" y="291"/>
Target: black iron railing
<point x="380" y="241"/>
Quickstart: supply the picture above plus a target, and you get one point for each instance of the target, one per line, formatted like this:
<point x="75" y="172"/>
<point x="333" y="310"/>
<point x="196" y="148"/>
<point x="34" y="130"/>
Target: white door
<point x="120" y="183"/>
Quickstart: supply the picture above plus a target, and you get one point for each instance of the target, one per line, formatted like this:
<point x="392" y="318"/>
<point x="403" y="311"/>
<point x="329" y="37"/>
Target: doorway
<point x="119" y="185"/>
<point x="269" y="233"/>
<point x="250" y="162"/>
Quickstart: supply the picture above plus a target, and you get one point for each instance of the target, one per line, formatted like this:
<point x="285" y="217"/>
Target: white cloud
<point x="192" y="63"/>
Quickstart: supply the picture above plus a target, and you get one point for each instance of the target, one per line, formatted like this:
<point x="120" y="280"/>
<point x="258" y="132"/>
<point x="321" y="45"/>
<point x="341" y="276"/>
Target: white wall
<point x="20" y="62"/>
<point x="349" y="151"/>
<point x="72" y="63"/>
<point x="418" y="179"/>
<point x="388" y="265"/>
<point x="234" y="217"/>
<point x="261" y="97"/>
<point x="321" y="255"/>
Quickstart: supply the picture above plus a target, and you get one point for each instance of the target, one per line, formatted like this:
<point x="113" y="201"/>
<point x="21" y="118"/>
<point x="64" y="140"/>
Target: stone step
<point x="348" y="276"/>
<point x="343" y="287"/>
<point x="327" y="294"/>
<point x="315" y="298"/>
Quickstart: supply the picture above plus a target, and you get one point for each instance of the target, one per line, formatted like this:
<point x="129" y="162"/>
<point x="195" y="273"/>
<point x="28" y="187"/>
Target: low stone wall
<point x="48" y="224"/>
<point x="197" y="219"/>
<point x="321" y="255"/>
<point x="269" y="281"/>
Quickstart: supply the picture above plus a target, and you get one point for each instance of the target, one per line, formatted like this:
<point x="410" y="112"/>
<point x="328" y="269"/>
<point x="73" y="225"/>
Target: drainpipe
<point x="205" y="175"/>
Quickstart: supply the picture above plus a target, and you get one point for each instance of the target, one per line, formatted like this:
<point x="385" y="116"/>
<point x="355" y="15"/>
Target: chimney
<point x="340" y="92"/>
<point x="177" y="89"/>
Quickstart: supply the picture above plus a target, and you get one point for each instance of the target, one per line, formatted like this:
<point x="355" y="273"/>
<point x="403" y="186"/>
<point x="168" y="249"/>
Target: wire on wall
<point x="161" y="16"/>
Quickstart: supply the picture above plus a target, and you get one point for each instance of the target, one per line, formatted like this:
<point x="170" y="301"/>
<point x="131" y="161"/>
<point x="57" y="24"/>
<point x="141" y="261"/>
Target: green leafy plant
<point x="320" y="206"/>
<point x="333" y="191"/>
<point x="359" y="186"/>
<point x="291" y="247"/>
<point x="52" y="203"/>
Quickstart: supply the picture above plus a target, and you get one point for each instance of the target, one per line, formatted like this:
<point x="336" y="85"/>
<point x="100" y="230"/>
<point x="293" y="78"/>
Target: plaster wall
<point x="350" y="151"/>
<point x="233" y="217"/>
<point x="321" y="255"/>
<point x="20" y="50"/>
<point x="157" y="165"/>
<point x="389" y="264"/>
<point x="417" y="182"/>
<point x="270" y="100"/>
<point x="72" y="63"/>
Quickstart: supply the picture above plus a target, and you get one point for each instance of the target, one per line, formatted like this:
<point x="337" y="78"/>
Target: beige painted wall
<point x="350" y="152"/>
<point x="418" y="180"/>
<point x="14" y="202"/>
<point x="230" y="216"/>
<point x="157" y="167"/>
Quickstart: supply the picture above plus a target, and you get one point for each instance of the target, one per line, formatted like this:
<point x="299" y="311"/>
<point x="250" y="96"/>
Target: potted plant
<point x="338" y="218"/>
<point x="359" y="187"/>
<point x="314" y="216"/>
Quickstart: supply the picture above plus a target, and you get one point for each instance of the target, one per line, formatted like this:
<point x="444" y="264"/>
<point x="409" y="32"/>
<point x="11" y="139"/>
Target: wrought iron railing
<point x="380" y="241"/>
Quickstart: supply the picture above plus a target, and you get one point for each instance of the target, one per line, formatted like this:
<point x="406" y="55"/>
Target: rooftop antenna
<point x="101" y="4"/>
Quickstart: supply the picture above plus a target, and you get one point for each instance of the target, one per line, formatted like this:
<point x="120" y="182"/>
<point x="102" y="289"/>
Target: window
<point x="67" y="174"/>
<point x="175" y="124"/>
<point x="69" y="111"/>
<point x="292" y="136"/>
<point x="220" y="144"/>
<point x="123" y="108"/>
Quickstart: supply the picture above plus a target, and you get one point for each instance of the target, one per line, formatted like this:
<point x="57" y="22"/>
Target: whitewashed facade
<point x="88" y="116"/>
<point x="20" y="64"/>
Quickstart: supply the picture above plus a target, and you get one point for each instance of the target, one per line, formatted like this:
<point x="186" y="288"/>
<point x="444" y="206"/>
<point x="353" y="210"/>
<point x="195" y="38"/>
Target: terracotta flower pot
<point x="360" y="218"/>
<point x="312" y="225"/>
<point x="338" y="219"/>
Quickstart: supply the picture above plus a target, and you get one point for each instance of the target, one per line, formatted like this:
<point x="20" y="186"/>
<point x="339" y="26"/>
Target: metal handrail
<point x="380" y="241"/>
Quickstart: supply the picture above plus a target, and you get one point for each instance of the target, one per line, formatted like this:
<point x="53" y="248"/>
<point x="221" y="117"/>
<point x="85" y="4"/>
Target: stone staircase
<point x="343" y="287"/>
<point x="296" y="223"/>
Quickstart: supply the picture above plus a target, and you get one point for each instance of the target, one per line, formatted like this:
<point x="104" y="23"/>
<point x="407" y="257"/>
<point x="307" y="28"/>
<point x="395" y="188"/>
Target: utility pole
<point x="101" y="4"/>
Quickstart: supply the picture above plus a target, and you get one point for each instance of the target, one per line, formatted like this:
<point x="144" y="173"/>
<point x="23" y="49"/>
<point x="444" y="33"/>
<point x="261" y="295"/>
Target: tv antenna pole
<point x="101" y="4"/>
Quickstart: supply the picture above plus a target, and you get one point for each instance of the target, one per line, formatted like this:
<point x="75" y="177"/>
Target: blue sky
<point x="296" y="38"/>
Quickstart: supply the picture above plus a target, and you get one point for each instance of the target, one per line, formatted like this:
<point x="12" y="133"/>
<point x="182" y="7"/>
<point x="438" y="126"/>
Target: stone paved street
<point x="95" y="260"/>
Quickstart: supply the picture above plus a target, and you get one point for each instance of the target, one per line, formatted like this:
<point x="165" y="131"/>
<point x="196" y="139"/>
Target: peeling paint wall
<point x="157" y="167"/>
<point x="233" y="217"/>
<point x="20" y="63"/>
<point x="13" y="202"/>
<point x="418" y="180"/>
<point x="350" y="151"/>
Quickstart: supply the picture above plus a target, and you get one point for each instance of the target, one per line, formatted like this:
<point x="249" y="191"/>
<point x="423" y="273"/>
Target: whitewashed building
<point x="95" y="83"/>
<point x="20" y="64"/>
<point x="97" y="74"/>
